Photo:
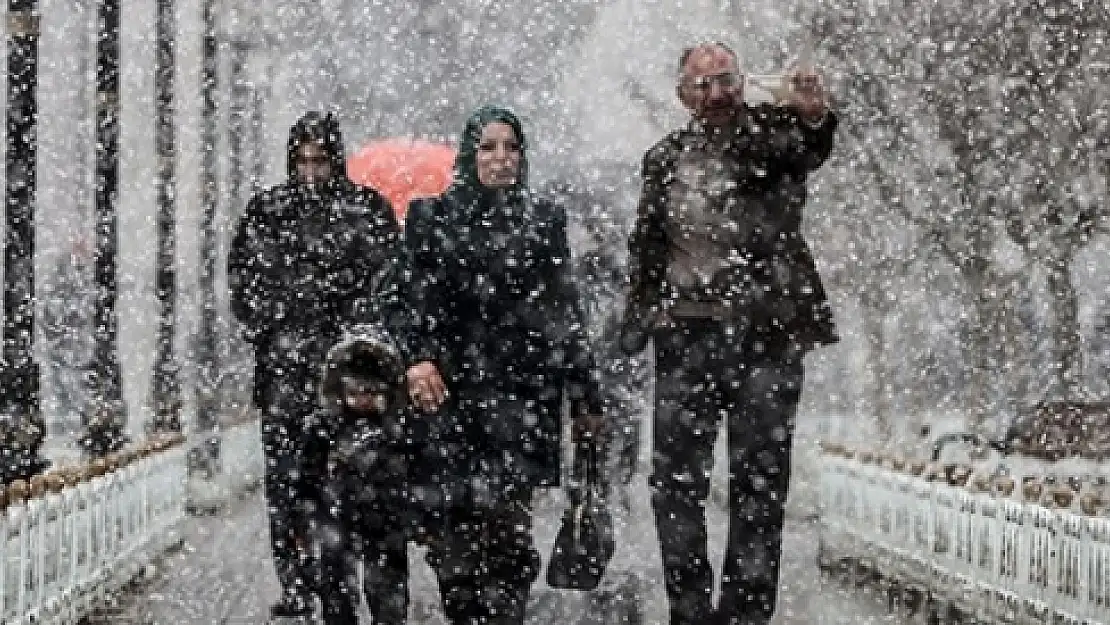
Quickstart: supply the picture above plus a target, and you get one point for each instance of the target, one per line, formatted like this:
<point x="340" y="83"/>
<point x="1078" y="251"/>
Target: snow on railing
<point x="1037" y="555"/>
<point x="71" y="536"/>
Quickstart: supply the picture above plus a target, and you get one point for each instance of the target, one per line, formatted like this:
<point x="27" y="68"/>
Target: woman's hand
<point x="426" y="388"/>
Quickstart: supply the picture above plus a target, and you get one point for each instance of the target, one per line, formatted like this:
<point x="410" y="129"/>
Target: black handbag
<point x="585" y="543"/>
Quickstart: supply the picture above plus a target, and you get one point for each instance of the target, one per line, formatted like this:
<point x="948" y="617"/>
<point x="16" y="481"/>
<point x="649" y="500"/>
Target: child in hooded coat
<point x="360" y="455"/>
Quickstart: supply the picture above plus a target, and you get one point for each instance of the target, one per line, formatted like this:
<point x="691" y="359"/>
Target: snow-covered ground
<point x="223" y="575"/>
<point x="223" y="572"/>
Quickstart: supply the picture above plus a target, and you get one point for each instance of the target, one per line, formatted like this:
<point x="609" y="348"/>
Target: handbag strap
<point x="586" y="464"/>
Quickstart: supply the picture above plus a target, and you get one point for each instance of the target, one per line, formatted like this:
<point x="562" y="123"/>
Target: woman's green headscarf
<point x="466" y="166"/>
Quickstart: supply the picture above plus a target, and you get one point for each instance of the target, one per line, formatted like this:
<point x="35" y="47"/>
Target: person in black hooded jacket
<point x="307" y="259"/>
<point x="494" y="342"/>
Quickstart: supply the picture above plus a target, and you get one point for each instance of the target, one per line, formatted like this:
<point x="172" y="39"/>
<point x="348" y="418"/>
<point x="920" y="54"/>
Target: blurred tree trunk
<point x="20" y="374"/>
<point x="167" y="392"/>
<point x="1065" y="208"/>
<point x="258" y="140"/>
<point x="1067" y="359"/>
<point x="20" y="370"/>
<point x="108" y="413"/>
<point x="237" y="127"/>
<point x="995" y="340"/>
<point x="874" y="321"/>
<point x="208" y="362"/>
<point x="982" y="342"/>
<point x="993" y="333"/>
<point x="237" y="358"/>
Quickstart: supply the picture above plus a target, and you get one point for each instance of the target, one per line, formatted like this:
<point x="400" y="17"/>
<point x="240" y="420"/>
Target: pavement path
<point x="222" y="575"/>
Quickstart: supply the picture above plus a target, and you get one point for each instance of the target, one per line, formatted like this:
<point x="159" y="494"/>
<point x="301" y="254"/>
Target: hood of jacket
<point x="365" y="357"/>
<point x="322" y="128"/>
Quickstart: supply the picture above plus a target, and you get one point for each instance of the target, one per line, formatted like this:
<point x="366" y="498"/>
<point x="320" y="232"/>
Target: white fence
<point x="67" y="540"/>
<point x="993" y="554"/>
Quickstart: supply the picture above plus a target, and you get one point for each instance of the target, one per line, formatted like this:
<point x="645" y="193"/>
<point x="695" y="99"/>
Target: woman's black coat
<point x="491" y="300"/>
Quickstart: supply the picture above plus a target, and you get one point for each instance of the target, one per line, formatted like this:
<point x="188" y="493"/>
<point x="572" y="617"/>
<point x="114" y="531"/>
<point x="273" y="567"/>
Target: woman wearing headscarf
<point x="494" y="343"/>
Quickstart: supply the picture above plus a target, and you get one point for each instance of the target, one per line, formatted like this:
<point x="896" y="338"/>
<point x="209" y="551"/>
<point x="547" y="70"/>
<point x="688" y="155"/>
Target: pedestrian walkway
<point x="222" y="575"/>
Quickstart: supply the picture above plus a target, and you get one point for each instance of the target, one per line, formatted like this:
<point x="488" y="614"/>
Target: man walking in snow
<point x="724" y="283"/>
<point x="307" y="259"/>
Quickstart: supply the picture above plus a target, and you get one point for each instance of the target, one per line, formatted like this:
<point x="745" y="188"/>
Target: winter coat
<point x="304" y="263"/>
<point x="493" y="304"/>
<point x="718" y="230"/>
<point x="362" y="462"/>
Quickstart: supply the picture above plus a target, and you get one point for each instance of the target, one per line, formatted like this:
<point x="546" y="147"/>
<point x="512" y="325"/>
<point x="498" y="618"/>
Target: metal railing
<point x="1037" y="555"/>
<point x="70" y="537"/>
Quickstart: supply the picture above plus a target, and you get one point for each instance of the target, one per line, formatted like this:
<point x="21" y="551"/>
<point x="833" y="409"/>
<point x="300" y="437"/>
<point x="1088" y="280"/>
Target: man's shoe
<point x="291" y="607"/>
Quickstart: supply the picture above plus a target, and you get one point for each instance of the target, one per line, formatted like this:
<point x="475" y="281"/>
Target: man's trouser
<point x="486" y="562"/>
<point x="289" y="504"/>
<point x="706" y="370"/>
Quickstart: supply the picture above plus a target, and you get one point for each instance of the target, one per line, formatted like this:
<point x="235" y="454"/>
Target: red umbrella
<point x="403" y="169"/>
